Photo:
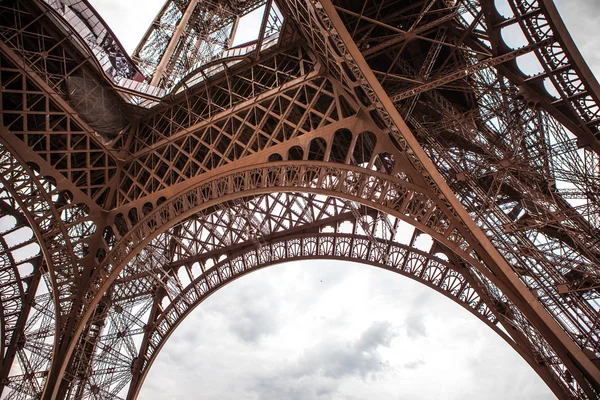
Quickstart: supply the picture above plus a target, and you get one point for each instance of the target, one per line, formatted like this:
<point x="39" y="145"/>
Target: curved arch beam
<point x="380" y="191"/>
<point x="228" y="57"/>
<point x="14" y="288"/>
<point x="440" y="275"/>
<point x="393" y="196"/>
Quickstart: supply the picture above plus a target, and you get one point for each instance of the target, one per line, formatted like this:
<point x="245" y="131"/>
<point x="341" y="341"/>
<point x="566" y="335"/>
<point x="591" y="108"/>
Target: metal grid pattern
<point x="346" y="130"/>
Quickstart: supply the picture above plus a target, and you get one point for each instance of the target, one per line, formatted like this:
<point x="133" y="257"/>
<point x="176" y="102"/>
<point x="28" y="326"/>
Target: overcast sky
<point x="334" y="330"/>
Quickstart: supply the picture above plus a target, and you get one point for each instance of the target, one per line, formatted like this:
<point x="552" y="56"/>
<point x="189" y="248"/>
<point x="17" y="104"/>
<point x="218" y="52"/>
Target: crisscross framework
<point x="347" y="130"/>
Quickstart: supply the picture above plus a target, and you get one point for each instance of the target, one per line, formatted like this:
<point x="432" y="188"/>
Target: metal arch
<point x="225" y="60"/>
<point x="267" y="178"/>
<point x="156" y="253"/>
<point x="160" y="261"/>
<point x="15" y="290"/>
<point x="297" y="248"/>
<point x="222" y="189"/>
<point x="334" y="40"/>
<point x="400" y="198"/>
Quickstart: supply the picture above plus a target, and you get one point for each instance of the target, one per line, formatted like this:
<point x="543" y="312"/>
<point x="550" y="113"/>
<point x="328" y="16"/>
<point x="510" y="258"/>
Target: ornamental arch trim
<point x="445" y="277"/>
<point x="391" y="195"/>
<point x="388" y="194"/>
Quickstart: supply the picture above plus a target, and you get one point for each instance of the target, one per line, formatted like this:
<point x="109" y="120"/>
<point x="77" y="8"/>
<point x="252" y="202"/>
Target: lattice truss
<point x="401" y="134"/>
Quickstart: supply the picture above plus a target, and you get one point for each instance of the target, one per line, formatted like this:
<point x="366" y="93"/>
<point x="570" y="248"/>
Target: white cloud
<point x="582" y="18"/>
<point x="415" y="324"/>
<point x="129" y="20"/>
<point x="341" y="340"/>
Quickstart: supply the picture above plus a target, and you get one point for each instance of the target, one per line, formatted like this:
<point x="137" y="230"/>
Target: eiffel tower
<point x="133" y="187"/>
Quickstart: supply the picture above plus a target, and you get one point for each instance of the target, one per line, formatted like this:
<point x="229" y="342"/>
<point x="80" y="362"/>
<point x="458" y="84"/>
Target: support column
<point x="166" y="58"/>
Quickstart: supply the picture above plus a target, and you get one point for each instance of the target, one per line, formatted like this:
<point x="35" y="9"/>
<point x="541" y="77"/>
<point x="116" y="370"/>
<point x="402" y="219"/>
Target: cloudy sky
<point x="334" y="330"/>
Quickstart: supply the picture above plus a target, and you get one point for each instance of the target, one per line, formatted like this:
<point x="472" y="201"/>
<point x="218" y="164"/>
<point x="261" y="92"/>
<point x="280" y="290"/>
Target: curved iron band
<point x="322" y="214"/>
<point x="12" y="289"/>
<point x="247" y="55"/>
<point x="408" y="202"/>
<point x="437" y="274"/>
<point x="566" y="110"/>
<point x="383" y="192"/>
<point x="571" y="49"/>
<point x="37" y="223"/>
<point x="200" y="70"/>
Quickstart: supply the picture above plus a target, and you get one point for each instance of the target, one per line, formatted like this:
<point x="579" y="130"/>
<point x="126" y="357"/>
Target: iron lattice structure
<point x="397" y="133"/>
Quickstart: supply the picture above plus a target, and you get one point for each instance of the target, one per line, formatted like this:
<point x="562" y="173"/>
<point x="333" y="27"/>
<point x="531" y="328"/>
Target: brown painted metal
<point x="175" y="38"/>
<point x="347" y="130"/>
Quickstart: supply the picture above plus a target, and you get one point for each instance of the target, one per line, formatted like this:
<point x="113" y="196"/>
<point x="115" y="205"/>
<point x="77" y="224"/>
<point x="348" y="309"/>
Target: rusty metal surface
<point x="347" y="130"/>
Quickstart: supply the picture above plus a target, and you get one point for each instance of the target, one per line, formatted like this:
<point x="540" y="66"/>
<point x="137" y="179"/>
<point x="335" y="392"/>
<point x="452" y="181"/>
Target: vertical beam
<point x="138" y="369"/>
<point x="166" y="57"/>
<point x="18" y="335"/>
<point x="236" y="23"/>
<point x="263" y="26"/>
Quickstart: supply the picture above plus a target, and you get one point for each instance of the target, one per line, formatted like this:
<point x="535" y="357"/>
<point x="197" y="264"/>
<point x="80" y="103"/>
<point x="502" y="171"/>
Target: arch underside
<point x="116" y="238"/>
<point x="420" y="266"/>
<point x="182" y="266"/>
